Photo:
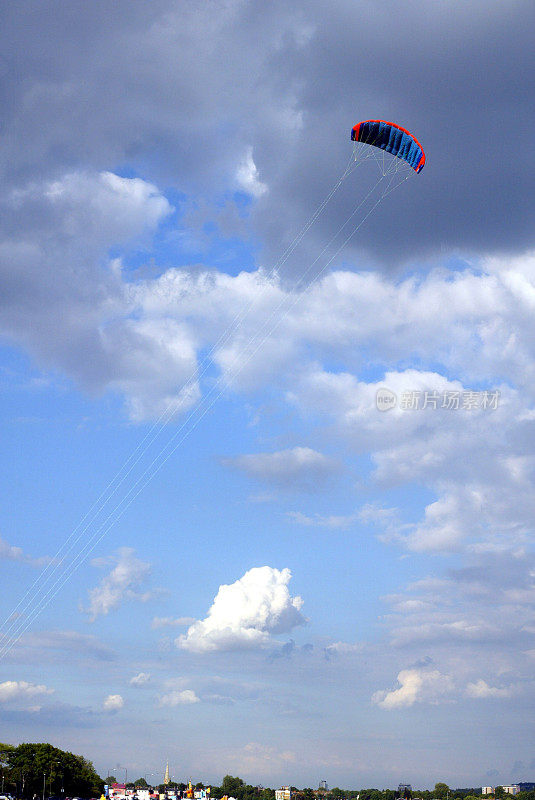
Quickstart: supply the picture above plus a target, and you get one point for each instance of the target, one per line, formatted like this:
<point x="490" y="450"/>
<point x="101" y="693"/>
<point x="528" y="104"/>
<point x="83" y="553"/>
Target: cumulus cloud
<point x="178" y="697"/>
<point x="113" y="702"/>
<point x="55" y="254"/>
<point x="416" y="686"/>
<point x="140" y="679"/>
<point x="343" y="649"/>
<point x="121" y="584"/>
<point x="245" y="614"/>
<point x="17" y="690"/>
<point x="481" y="689"/>
<point x="247" y="176"/>
<point x="296" y="468"/>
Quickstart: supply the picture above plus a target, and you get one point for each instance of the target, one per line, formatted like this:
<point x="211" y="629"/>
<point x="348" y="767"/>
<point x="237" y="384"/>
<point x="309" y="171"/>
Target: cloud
<point x="21" y="690"/>
<point x="296" y="468"/>
<point x="12" y="553"/>
<point x="120" y="585"/>
<point x="178" y="697"/>
<point x="247" y="176"/>
<point x="55" y="255"/>
<point x="53" y="645"/>
<point x="171" y="622"/>
<point x="140" y="679"/>
<point x="113" y="702"/>
<point x="416" y="686"/>
<point x="245" y="614"/>
<point x="296" y="61"/>
<point x="343" y="649"/>
<point x="481" y="689"/>
<point x="321" y="521"/>
<point x="487" y="604"/>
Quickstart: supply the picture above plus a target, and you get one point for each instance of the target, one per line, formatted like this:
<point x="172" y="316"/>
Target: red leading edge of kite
<point x="355" y="137"/>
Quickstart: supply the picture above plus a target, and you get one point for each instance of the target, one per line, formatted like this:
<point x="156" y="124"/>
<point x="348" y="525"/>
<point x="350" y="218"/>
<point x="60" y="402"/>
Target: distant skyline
<point x="215" y="547"/>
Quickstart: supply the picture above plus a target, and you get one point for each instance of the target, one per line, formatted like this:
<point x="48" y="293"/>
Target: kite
<point x="392" y="138"/>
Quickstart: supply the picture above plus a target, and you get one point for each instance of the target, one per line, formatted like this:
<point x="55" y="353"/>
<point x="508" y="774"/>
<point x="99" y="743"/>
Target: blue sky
<point x="214" y="547"/>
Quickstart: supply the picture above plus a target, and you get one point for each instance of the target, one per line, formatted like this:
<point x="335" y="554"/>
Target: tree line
<point x="29" y="770"/>
<point x="37" y="769"/>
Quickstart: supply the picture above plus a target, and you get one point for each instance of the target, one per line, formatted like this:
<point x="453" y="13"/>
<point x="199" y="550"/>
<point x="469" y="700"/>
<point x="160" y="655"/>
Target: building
<point x="323" y="785"/>
<point x="284" y="793"/>
<point x="512" y="788"/>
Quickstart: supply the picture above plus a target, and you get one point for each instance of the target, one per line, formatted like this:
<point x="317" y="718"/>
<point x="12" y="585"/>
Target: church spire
<point x="166" y="776"/>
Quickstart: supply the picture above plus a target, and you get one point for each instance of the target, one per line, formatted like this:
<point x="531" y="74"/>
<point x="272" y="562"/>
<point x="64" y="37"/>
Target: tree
<point x="499" y="792"/>
<point x="441" y="790"/>
<point x="141" y="782"/>
<point x="28" y="765"/>
<point x="232" y="786"/>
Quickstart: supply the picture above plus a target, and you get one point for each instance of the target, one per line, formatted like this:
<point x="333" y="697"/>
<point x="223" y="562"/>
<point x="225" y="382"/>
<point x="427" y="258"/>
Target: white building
<point x="284" y="793"/>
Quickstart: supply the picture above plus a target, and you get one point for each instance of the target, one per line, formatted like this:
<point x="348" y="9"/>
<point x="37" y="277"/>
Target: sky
<point x="266" y="404"/>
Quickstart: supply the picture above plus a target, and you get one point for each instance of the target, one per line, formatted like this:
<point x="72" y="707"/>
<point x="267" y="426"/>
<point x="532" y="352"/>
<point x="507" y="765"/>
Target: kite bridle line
<point x="221" y="384"/>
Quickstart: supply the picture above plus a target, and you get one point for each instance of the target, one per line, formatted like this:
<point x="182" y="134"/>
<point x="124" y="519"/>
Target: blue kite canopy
<point x="392" y="138"/>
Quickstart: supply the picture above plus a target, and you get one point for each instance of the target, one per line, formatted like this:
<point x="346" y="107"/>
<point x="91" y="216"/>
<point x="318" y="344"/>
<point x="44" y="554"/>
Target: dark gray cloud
<point x="180" y="91"/>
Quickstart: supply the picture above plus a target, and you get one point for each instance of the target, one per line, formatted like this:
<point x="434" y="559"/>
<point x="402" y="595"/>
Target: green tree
<point x="31" y="765"/>
<point x="141" y="782"/>
<point x="232" y="786"/>
<point x="499" y="792"/>
<point x="441" y="790"/>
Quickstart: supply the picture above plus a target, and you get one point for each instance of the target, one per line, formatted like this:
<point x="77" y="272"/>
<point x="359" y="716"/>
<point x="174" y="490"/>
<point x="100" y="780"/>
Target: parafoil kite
<point x="392" y="138"/>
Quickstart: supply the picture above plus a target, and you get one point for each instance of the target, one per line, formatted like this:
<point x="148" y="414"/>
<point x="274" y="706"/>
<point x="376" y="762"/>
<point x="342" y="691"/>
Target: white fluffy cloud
<point x="178" y="697"/>
<point x="246" y="613"/>
<point x="16" y="690"/>
<point x="416" y="686"/>
<point x="481" y="689"/>
<point x="121" y="584"/>
<point x="55" y="268"/>
<point x="113" y="702"/>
